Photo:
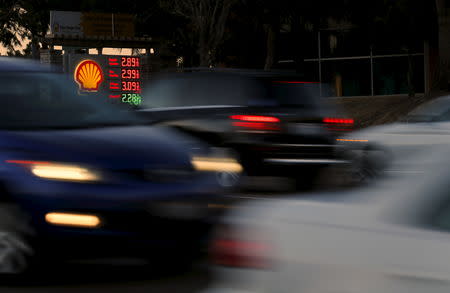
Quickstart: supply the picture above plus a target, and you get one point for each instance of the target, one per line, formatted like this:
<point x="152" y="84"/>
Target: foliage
<point x="9" y="24"/>
<point x="206" y="24"/>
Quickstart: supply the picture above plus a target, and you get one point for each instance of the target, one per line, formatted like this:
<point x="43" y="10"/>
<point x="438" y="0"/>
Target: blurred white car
<point x="392" y="237"/>
<point x="388" y="147"/>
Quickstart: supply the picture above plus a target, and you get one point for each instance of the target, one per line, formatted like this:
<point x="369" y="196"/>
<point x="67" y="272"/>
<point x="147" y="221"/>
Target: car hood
<point x="112" y="146"/>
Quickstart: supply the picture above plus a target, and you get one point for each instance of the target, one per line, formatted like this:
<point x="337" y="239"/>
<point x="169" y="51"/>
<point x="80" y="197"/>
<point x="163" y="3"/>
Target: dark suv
<point x="277" y="123"/>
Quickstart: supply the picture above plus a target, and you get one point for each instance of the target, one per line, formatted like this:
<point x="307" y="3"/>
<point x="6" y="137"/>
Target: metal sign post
<point x="320" y="65"/>
<point x="371" y="72"/>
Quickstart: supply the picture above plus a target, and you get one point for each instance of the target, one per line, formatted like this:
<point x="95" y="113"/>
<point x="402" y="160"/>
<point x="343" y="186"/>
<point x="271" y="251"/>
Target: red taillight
<point x="339" y="124"/>
<point x="338" y="120"/>
<point x="255" y="118"/>
<point x="256" y="125"/>
<point x="255" y="122"/>
<point x="227" y="250"/>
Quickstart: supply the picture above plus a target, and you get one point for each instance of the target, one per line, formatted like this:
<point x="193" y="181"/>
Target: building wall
<point x="351" y="66"/>
<point x="443" y="10"/>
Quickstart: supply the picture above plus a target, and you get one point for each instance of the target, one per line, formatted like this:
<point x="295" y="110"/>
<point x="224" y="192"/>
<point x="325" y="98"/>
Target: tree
<point x="9" y="24"/>
<point x="206" y="24"/>
<point x="34" y="18"/>
<point x="23" y="20"/>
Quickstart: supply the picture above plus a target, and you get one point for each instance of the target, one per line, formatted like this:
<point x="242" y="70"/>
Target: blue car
<point x="81" y="178"/>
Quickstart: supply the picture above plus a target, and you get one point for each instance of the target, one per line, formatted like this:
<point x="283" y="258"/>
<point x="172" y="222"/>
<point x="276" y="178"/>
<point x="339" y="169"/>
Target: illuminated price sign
<point x="130" y="61"/>
<point x="119" y="77"/>
<point x="131" y="86"/>
<point x="133" y="99"/>
<point x="131" y="74"/>
<point x="125" y="79"/>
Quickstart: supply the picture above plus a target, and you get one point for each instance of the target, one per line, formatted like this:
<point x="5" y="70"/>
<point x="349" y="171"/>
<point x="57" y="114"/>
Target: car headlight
<point x="59" y="171"/>
<point x="216" y="164"/>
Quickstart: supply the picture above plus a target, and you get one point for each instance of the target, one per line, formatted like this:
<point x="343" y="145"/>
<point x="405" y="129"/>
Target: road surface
<point x="88" y="278"/>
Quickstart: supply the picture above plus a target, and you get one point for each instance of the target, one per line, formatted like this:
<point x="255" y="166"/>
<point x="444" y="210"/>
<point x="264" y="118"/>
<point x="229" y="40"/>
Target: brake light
<point x="338" y="120"/>
<point x="255" y="122"/>
<point x="254" y="118"/>
<point x="339" y="124"/>
<point x="226" y="250"/>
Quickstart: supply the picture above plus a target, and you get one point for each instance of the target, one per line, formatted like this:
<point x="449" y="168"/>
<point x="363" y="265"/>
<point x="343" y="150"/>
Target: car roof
<point x="11" y="64"/>
<point x="231" y="72"/>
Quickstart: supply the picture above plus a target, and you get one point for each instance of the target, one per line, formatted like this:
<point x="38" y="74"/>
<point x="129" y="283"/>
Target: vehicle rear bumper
<point x="303" y="161"/>
<point x="267" y="157"/>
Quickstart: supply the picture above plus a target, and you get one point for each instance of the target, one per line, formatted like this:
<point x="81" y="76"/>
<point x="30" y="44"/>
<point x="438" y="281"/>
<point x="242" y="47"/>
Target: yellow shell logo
<point x="88" y="75"/>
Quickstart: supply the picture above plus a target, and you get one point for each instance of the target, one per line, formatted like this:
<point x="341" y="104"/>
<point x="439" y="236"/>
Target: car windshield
<point x="48" y="100"/>
<point x="434" y="111"/>
<point x="228" y="91"/>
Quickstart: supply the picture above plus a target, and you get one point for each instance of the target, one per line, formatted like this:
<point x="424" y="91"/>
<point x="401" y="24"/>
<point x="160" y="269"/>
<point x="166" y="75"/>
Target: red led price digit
<point x="130" y="61"/>
<point x="130" y="74"/>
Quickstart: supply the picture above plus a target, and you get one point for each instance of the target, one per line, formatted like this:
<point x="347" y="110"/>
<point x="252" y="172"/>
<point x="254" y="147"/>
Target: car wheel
<point x="229" y="180"/>
<point x="15" y="245"/>
<point x="367" y="164"/>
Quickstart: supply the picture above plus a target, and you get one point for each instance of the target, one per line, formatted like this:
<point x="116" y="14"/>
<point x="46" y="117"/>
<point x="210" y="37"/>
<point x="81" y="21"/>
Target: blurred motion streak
<point x="75" y="220"/>
<point x="69" y="160"/>
<point x="392" y="236"/>
<point x="216" y="164"/>
<point x="257" y="125"/>
<point x="26" y="162"/>
<point x="338" y="120"/>
<point x="259" y="115"/>
<point x="387" y="148"/>
<point x="351" y="140"/>
<point x="64" y="172"/>
<point x="228" y="250"/>
<point x="253" y="118"/>
<point x="56" y="171"/>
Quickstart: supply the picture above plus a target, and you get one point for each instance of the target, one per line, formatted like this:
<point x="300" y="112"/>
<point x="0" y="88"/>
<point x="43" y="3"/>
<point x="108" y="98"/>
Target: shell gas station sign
<point x="89" y="75"/>
<point x="116" y="78"/>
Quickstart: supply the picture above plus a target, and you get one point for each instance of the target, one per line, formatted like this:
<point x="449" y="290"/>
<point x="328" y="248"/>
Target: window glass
<point x="51" y="101"/>
<point x="229" y="91"/>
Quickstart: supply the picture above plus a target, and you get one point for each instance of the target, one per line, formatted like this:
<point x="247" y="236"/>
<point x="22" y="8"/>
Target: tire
<point x="368" y="164"/>
<point x="16" y="251"/>
<point x="230" y="181"/>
